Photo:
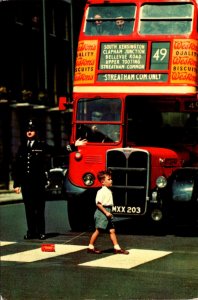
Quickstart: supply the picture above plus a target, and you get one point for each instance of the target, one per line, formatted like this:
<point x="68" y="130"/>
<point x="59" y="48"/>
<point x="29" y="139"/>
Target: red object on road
<point x="48" y="247"/>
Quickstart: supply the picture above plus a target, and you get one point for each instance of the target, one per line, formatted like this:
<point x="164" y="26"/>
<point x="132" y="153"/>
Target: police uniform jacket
<point x="30" y="165"/>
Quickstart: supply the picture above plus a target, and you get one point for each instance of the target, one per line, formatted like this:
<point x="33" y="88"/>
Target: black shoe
<point x="30" y="236"/>
<point x="42" y="237"/>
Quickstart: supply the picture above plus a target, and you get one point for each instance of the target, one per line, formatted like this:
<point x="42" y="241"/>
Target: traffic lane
<point x="13" y="220"/>
<point x="65" y="282"/>
<point x="173" y="276"/>
<point x="78" y="277"/>
<point x="13" y="226"/>
<point x="65" y="276"/>
<point x="13" y="223"/>
<point x="57" y="221"/>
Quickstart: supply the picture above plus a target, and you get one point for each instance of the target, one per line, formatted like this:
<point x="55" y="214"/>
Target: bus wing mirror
<point x="64" y="104"/>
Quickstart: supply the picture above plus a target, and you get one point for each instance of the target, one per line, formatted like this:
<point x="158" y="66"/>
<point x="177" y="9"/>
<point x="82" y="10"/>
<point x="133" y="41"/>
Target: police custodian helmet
<point x="31" y="126"/>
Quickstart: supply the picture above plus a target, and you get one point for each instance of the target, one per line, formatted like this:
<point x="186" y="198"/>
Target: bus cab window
<point x="99" y="118"/>
<point x="98" y="133"/>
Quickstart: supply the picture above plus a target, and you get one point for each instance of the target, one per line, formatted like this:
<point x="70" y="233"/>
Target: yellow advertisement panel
<point x="184" y="65"/>
<point x="85" y="62"/>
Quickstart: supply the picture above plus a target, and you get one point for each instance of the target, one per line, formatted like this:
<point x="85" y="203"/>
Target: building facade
<point x="38" y="41"/>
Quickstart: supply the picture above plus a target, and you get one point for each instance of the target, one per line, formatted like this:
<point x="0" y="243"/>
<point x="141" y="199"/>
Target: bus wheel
<point x="80" y="219"/>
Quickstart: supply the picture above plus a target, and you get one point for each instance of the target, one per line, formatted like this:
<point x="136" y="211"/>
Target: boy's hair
<point x="102" y="174"/>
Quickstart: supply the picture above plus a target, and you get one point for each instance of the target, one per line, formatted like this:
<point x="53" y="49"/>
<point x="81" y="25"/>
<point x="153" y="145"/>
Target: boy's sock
<point x="117" y="247"/>
<point x="91" y="246"/>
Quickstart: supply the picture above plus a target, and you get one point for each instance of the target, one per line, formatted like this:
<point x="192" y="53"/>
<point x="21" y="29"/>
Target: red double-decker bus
<point x="135" y="99"/>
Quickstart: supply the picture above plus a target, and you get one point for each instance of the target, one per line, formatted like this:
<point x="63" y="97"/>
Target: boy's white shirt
<point x="104" y="196"/>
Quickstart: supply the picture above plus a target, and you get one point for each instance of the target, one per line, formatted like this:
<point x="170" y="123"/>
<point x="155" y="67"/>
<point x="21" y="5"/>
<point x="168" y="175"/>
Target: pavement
<point x="9" y="196"/>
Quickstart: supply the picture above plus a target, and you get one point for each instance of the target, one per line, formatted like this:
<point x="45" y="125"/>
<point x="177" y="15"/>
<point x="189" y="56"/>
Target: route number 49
<point x="160" y="54"/>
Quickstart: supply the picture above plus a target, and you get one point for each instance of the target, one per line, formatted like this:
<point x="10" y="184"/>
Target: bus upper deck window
<point x="110" y="20"/>
<point x="169" y="18"/>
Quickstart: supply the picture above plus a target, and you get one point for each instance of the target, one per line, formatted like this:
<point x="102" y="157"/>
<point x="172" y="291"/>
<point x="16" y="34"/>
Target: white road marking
<point x="6" y="243"/>
<point x="135" y="258"/>
<point x="37" y="254"/>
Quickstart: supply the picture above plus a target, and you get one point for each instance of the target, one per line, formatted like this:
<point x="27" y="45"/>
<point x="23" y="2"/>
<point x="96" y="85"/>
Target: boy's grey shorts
<point x="101" y="221"/>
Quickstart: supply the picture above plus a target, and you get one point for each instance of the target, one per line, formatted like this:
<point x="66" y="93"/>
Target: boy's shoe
<point x="94" y="251"/>
<point x="120" y="251"/>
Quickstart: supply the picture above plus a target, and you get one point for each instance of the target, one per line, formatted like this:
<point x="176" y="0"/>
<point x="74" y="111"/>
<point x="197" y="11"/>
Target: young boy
<point x="103" y="216"/>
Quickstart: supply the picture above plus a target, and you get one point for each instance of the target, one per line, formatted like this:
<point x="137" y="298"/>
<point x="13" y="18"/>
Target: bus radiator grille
<point x="130" y="176"/>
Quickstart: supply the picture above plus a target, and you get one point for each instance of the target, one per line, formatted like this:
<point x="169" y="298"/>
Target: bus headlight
<point x="78" y="156"/>
<point x="88" y="179"/>
<point x="161" y="182"/>
<point x="156" y="215"/>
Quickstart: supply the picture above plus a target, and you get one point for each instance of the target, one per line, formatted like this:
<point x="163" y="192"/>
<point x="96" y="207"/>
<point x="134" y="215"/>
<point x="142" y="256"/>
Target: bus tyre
<point x="80" y="219"/>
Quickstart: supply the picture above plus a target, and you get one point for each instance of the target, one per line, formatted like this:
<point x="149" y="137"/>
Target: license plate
<point x="133" y="210"/>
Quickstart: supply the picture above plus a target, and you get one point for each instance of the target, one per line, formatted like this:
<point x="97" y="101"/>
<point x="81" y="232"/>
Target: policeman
<point x="29" y="177"/>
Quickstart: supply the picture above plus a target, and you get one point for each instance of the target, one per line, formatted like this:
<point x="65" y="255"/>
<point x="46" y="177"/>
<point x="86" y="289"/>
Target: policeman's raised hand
<point x="17" y="190"/>
<point x="80" y="142"/>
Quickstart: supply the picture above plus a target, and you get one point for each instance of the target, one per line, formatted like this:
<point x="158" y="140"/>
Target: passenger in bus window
<point x="121" y="27"/>
<point x="97" y="131"/>
<point x="98" y="26"/>
<point x="112" y="112"/>
<point x="96" y="116"/>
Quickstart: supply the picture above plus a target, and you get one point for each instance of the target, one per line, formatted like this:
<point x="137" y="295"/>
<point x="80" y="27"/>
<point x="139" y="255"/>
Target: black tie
<point x="29" y="144"/>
